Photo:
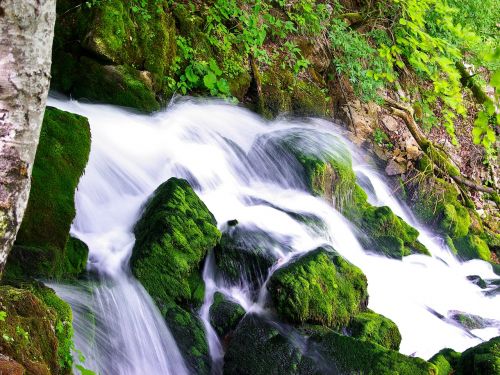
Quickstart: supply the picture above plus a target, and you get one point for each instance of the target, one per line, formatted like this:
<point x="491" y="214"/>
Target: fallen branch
<point x="438" y="157"/>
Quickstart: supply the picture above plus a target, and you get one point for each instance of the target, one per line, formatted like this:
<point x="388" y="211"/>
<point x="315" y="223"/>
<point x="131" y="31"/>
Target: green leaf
<point x="210" y="80"/>
<point x="191" y="75"/>
<point x="3" y="315"/>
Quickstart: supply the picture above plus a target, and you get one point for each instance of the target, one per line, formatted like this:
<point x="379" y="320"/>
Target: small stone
<point x="232" y="223"/>
<point x="394" y="168"/>
<point x="390" y="123"/>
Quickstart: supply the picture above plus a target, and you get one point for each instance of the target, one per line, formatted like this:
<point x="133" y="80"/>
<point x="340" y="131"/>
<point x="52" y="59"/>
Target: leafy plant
<point x="3" y="315"/>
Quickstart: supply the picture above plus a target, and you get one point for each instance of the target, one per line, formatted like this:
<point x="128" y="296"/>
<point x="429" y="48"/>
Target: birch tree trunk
<point x="26" y="33"/>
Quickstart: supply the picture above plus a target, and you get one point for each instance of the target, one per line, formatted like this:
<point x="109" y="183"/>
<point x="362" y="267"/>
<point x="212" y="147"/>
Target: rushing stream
<point x="233" y="160"/>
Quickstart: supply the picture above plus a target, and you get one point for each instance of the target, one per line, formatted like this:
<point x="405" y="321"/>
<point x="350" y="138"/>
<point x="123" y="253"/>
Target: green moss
<point x="225" y="314"/>
<point x="42" y="247"/>
<point x="114" y="84"/>
<point x="445" y="361"/>
<point x="352" y="356"/>
<point x="376" y="328"/>
<point x="123" y="56"/>
<point x="189" y="334"/>
<point x="37" y="330"/>
<point x="472" y="247"/>
<point x="173" y="236"/>
<point x="436" y="203"/>
<point x="319" y="287"/>
<point x="309" y="100"/>
<point x="257" y="347"/>
<point x="483" y="359"/>
<point x="386" y="233"/>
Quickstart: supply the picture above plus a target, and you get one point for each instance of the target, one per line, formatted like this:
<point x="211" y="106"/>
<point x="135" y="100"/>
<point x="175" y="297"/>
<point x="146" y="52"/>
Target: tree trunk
<point x="26" y="33"/>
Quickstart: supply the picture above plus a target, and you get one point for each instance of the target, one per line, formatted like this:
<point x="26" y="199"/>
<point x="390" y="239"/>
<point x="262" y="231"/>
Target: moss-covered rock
<point x="43" y="247"/>
<point x="189" y="334"/>
<point x="376" y="328"/>
<point x="173" y="235"/>
<point x="245" y="255"/>
<point x="319" y="287"/>
<point x="282" y="92"/>
<point x="472" y="247"/>
<point x="483" y="359"/>
<point x="36" y="329"/>
<point x="385" y="232"/>
<point x="114" y="84"/>
<point x="257" y="347"/>
<point x="225" y="314"/>
<point x="352" y="356"/>
<point x="446" y="361"/>
<point x="332" y="177"/>
<point x="109" y="53"/>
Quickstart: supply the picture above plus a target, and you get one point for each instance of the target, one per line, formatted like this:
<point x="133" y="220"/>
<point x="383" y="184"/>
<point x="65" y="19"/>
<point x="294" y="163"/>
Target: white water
<point x="230" y="157"/>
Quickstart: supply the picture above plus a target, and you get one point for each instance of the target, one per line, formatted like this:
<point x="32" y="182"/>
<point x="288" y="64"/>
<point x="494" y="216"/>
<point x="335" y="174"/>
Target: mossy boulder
<point x="446" y="361"/>
<point x="189" y="334"/>
<point x="384" y="232"/>
<point x="173" y="235"/>
<point x="43" y="247"/>
<point x="36" y="329"/>
<point x="258" y="347"/>
<point x="376" y="328"/>
<point x="282" y="92"/>
<point x="483" y="359"/>
<point x="472" y="247"/>
<point x="319" y="287"/>
<point x="352" y="356"/>
<point x="332" y="177"/>
<point x="109" y="53"/>
<point x="245" y="254"/>
<point x="114" y="84"/>
<point x="225" y="314"/>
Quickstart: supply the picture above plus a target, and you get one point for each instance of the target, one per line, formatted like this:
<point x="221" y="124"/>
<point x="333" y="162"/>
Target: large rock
<point x="376" y="328"/>
<point x="259" y="346"/>
<point x="472" y="247"/>
<point x="245" y="255"/>
<point x="446" y="360"/>
<point x="111" y="54"/>
<point x="351" y="356"/>
<point x="225" y="314"/>
<point x="319" y="287"/>
<point x="43" y="247"/>
<point x="332" y="177"/>
<point x="36" y="329"/>
<point x="173" y="235"/>
<point x="189" y="334"/>
<point x="483" y="359"/>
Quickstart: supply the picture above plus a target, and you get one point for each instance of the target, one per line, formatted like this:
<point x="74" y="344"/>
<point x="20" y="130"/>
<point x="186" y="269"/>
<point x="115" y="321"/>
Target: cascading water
<point x="233" y="160"/>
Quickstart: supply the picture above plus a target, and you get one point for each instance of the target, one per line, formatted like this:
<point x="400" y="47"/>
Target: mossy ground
<point x="320" y="287"/>
<point x="42" y="246"/>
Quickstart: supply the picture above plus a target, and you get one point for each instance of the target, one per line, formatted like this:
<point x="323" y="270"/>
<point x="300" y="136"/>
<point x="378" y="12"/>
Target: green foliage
<point x="3" y="315"/>
<point x="357" y="60"/>
<point x="381" y="138"/>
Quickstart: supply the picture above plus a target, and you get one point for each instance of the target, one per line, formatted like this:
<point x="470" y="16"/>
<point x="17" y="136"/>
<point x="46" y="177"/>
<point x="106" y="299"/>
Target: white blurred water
<point x="233" y="160"/>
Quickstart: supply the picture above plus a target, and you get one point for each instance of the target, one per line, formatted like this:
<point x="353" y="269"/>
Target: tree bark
<point x="26" y="33"/>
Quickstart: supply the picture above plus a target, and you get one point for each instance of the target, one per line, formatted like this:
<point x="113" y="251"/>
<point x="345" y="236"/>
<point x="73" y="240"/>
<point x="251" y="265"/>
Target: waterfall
<point x="233" y="160"/>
